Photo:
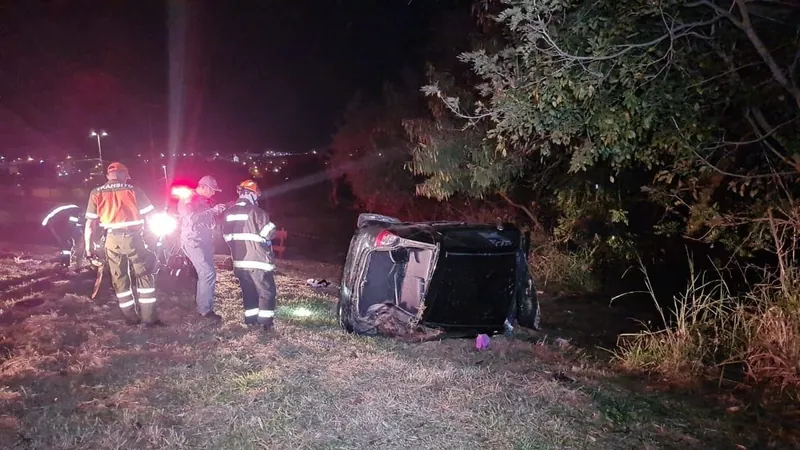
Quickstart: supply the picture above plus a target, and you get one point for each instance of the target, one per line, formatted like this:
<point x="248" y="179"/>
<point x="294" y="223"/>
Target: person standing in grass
<point x="248" y="232"/>
<point x="121" y="209"/>
<point x="197" y="241"/>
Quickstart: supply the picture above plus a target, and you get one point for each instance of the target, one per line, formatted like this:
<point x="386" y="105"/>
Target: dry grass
<point x="75" y="377"/>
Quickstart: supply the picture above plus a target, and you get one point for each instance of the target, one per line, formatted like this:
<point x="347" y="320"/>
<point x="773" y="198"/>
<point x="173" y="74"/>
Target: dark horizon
<point x="245" y="77"/>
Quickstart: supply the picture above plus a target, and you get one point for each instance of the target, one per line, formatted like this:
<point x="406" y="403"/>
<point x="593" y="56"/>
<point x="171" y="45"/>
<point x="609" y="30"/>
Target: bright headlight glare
<point x="162" y="224"/>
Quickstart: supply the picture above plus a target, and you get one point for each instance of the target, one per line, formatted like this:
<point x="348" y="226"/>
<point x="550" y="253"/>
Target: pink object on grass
<point x="481" y="342"/>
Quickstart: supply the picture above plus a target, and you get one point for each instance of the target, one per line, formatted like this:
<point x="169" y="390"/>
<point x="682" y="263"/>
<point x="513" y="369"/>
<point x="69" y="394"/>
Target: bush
<point x="753" y="338"/>
<point x="556" y="269"/>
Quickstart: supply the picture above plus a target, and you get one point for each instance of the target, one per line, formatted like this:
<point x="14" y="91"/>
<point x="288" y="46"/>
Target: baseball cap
<point x="209" y="181"/>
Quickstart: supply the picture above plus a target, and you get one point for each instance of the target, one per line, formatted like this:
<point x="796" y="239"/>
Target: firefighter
<point x="248" y="232"/>
<point x="120" y="209"/>
<point x="197" y="241"/>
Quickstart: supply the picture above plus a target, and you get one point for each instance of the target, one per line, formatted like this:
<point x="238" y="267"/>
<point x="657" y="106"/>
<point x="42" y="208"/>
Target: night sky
<point x="252" y="74"/>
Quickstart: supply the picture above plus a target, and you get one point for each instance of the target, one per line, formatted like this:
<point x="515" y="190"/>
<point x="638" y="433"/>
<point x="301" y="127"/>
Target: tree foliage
<point x="674" y="114"/>
<point x="370" y="149"/>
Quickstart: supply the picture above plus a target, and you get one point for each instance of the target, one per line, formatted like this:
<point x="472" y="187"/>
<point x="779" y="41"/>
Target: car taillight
<point x="385" y="239"/>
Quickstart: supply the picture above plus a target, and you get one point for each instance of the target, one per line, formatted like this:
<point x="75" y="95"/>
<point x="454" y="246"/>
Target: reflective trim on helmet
<point x="56" y="211"/>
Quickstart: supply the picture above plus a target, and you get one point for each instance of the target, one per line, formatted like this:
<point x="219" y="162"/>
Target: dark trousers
<point x="258" y="294"/>
<point x="126" y="251"/>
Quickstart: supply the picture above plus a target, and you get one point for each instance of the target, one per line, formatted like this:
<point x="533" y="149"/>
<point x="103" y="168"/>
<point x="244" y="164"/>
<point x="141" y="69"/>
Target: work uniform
<point x="120" y="209"/>
<point x="197" y="242"/>
<point x="248" y="232"/>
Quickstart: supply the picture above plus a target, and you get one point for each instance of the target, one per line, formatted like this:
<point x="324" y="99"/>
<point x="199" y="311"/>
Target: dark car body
<point x="451" y="276"/>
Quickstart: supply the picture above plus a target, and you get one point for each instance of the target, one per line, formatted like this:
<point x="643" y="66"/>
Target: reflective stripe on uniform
<point x="260" y="265"/>
<point x="251" y="312"/>
<point x="267" y="229"/>
<point x="241" y="203"/>
<point x="146" y="290"/>
<point x="127" y="304"/>
<point x="124" y="294"/>
<point x="146" y="209"/>
<point x="116" y="226"/>
<point x="147" y="300"/>
<point x="244" y="237"/>
<point x="266" y="313"/>
<point x="91" y="215"/>
<point x="235" y="217"/>
<point x="73" y="219"/>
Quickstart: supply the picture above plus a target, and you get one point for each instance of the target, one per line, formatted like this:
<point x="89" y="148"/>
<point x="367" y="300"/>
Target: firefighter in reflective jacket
<point x="248" y="232"/>
<point x="120" y="209"/>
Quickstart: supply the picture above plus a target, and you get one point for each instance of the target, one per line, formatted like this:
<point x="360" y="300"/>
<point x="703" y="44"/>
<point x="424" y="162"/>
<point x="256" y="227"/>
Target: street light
<point x="99" y="147"/>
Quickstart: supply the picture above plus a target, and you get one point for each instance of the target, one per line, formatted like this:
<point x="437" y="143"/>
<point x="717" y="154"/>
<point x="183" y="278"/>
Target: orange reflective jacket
<point x="118" y="205"/>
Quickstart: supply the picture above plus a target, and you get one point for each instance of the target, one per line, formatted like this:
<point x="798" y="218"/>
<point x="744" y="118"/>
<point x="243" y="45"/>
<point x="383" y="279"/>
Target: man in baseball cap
<point x="197" y="241"/>
<point x="208" y="184"/>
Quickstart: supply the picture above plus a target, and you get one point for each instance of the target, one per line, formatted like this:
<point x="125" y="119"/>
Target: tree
<point x="679" y="115"/>
<point x="370" y="149"/>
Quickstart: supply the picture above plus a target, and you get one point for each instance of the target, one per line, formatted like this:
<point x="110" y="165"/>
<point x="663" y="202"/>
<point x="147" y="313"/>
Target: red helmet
<point x="249" y="185"/>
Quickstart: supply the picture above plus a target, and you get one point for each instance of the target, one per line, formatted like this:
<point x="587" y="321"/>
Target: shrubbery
<point x="616" y="131"/>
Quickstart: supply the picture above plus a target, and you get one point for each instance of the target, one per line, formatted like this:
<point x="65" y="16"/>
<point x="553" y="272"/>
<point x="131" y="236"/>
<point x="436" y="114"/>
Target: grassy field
<point x="74" y="376"/>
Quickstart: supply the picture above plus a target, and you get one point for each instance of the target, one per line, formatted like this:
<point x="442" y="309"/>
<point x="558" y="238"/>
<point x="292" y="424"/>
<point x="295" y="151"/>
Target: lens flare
<point x="162" y="224"/>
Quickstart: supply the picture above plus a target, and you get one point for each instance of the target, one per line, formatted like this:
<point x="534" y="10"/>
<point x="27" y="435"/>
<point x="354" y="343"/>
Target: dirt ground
<point x="74" y="376"/>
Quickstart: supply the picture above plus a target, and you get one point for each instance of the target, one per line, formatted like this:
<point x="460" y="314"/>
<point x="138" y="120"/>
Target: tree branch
<point x="746" y="25"/>
<point x="524" y="209"/>
<point x="539" y="29"/>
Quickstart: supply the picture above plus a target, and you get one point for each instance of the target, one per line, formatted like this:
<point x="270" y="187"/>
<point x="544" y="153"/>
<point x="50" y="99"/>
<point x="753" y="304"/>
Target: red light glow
<point x="385" y="239"/>
<point x="181" y="192"/>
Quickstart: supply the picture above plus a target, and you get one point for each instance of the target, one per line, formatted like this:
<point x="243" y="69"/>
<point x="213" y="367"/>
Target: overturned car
<point x="405" y="278"/>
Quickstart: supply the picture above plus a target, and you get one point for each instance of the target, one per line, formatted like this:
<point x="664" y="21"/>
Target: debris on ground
<point x="318" y="283"/>
<point x="386" y="319"/>
<point x="482" y="342"/>
<point x="562" y="343"/>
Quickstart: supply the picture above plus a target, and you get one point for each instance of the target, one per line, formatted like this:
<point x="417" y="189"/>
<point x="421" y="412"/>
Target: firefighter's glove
<point x="220" y="208"/>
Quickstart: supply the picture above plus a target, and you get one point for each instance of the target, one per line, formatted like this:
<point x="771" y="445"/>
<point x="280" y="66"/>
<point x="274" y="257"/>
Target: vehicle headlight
<point x="162" y="224"/>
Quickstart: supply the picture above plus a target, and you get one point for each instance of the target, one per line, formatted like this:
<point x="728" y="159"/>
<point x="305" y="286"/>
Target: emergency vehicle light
<point x="162" y="224"/>
<point x="181" y="192"/>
